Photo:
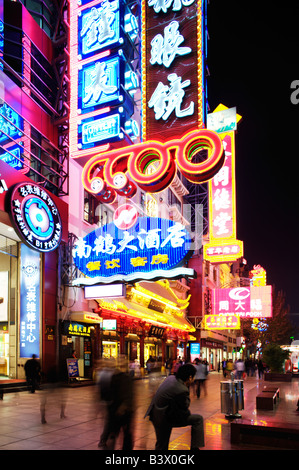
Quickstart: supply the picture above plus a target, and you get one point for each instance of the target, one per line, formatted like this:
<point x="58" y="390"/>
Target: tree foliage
<point x="274" y="357"/>
<point x="278" y="329"/>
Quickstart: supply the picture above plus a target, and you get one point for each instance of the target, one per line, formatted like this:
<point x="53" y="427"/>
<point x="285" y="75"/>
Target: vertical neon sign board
<point x="29" y="302"/>
<point x="99" y="84"/>
<point x="10" y="123"/>
<point x="223" y="246"/>
<point x="99" y="27"/>
<point x="223" y="194"/>
<point x="101" y="36"/>
<point x="172" y="63"/>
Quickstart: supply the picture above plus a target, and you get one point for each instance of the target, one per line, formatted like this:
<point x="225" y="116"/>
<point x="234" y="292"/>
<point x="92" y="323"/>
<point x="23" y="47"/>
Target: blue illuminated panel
<point x="9" y="122"/>
<point x="100" y="130"/>
<point x="151" y="244"/>
<point x="99" y="27"/>
<point x="29" y="302"/>
<point x="13" y="157"/>
<point x="99" y="84"/>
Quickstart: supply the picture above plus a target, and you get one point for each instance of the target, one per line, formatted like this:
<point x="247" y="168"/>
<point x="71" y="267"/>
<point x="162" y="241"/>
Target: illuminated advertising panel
<point x="255" y="302"/>
<point x="110" y="168"/>
<point x="98" y="27"/>
<point x="172" y="62"/>
<point x="222" y="322"/>
<point x="223" y="246"/>
<point x="10" y="124"/>
<point x="13" y="157"/>
<point x="258" y="276"/>
<point x="223" y="251"/>
<point x="172" y="114"/>
<point x="35" y="217"/>
<point x="29" y="302"/>
<point x="222" y="194"/>
<point x="151" y="244"/>
<point x="99" y="83"/>
<point x="102" y="78"/>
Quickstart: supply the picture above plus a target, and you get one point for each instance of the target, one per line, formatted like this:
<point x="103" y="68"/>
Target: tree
<point x="274" y="357"/>
<point x="274" y="330"/>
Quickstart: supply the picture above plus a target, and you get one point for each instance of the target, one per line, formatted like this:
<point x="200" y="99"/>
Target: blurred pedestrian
<point x="200" y="377"/>
<point x="120" y="409"/>
<point x="170" y="408"/>
<point x="176" y="365"/>
<point x="169" y="366"/>
<point x="240" y="368"/>
<point x="260" y="368"/>
<point x="229" y="367"/>
<point x="224" y="368"/>
<point x="33" y="373"/>
<point x="53" y="393"/>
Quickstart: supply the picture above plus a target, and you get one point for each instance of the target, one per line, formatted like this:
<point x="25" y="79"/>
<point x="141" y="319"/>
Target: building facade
<point x="104" y="161"/>
<point x="34" y="177"/>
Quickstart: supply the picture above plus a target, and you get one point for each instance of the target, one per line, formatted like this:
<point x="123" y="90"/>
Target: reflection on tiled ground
<point x="21" y="428"/>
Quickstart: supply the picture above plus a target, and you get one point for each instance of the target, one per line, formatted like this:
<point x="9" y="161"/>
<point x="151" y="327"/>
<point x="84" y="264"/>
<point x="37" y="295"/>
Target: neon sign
<point x="173" y="86"/>
<point x="221" y="322"/>
<point x="106" y="173"/>
<point x="29" y="302"/>
<point x="99" y="83"/>
<point x="103" y="79"/>
<point x="10" y="123"/>
<point x="223" y="246"/>
<point x="151" y="244"/>
<point x="13" y="157"/>
<point x="217" y="252"/>
<point x="258" y="276"/>
<point x="254" y="302"/>
<point x="98" y="130"/>
<point x="35" y="217"/>
<point x="99" y="27"/>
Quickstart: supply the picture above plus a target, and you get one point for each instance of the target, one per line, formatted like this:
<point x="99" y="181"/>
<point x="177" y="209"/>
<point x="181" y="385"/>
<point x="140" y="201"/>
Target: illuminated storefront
<point x="148" y="321"/>
<point x="31" y="230"/>
<point x="145" y="318"/>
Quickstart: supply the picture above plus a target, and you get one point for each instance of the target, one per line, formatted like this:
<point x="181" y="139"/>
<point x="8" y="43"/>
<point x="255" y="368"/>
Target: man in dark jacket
<point x="32" y="371"/>
<point x="170" y="408"/>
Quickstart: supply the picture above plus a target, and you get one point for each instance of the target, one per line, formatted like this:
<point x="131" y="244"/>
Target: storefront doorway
<point x="8" y="307"/>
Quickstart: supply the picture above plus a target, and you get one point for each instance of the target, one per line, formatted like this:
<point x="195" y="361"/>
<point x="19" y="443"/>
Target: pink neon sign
<point x="222" y="195"/>
<point x="254" y="302"/>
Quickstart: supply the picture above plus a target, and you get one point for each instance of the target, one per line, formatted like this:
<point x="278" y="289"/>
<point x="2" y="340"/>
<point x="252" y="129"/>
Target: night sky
<point x="253" y="57"/>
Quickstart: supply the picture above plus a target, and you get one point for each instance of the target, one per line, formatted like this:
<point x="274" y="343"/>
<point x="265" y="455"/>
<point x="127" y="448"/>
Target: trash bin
<point x="232" y="398"/>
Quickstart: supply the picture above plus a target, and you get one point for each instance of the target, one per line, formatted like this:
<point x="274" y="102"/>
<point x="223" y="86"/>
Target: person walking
<point x="229" y="367"/>
<point x="240" y="367"/>
<point x="200" y="377"/>
<point x="170" y="408"/>
<point x="120" y="409"/>
<point x="32" y="371"/>
<point x="260" y="368"/>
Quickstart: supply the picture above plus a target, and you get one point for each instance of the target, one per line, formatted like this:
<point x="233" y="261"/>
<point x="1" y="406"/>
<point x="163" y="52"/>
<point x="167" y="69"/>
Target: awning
<point x="85" y="317"/>
<point x="175" y="273"/>
<point x="125" y="307"/>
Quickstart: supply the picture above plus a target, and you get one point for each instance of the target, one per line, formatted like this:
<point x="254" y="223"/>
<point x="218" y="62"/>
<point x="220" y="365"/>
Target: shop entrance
<point x="8" y="307"/>
<point x="82" y="351"/>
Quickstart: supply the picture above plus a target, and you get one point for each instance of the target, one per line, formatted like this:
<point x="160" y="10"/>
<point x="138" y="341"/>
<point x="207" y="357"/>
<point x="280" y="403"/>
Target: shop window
<point x="173" y="200"/>
<point x="105" y="215"/>
<point x="90" y="208"/>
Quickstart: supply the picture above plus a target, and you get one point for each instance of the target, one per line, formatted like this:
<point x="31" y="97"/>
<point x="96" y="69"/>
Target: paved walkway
<point x="21" y="427"/>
